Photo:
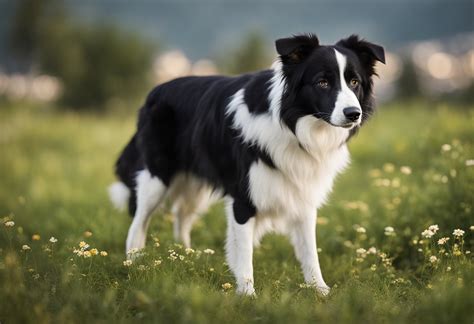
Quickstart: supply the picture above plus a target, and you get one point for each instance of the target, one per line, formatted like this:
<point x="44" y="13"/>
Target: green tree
<point x="95" y="63"/>
<point x="252" y="54"/>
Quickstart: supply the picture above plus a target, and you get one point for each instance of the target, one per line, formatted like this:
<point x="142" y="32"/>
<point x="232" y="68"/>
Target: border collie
<point x="269" y="142"/>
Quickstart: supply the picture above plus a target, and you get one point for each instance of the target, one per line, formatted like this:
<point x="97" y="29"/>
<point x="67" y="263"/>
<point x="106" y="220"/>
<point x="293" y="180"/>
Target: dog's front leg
<point x="303" y="238"/>
<point x="239" y="245"/>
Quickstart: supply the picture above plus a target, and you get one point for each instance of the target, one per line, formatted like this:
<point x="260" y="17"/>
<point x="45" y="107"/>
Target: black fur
<point x="183" y="126"/>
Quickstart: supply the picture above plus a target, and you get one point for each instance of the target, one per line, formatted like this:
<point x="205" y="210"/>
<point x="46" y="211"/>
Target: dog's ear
<point x="296" y="49"/>
<point x="367" y="52"/>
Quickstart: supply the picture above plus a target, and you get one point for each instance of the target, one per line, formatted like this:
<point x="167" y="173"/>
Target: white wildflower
<point x="443" y="240"/>
<point x="389" y="231"/>
<point x="434" y="228"/>
<point x="209" y="251"/>
<point x="53" y="239"/>
<point x="361" y="251"/>
<point x="458" y="232"/>
<point x="446" y="147"/>
<point x="372" y="250"/>
<point x="9" y="224"/>
<point x="427" y="233"/>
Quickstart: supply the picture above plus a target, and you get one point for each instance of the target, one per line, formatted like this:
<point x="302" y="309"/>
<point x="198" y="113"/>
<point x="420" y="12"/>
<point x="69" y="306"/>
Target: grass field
<point x="412" y="167"/>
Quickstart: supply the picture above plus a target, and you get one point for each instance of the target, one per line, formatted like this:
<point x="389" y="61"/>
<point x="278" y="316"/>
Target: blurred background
<point x="101" y="55"/>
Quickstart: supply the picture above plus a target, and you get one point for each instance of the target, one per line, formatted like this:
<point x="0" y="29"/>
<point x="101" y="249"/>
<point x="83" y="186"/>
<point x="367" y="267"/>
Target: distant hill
<point x="205" y="28"/>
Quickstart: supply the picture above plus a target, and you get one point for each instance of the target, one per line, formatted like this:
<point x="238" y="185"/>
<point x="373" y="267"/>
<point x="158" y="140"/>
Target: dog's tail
<point x="119" y="195"/>
<point x="122" y="193"/>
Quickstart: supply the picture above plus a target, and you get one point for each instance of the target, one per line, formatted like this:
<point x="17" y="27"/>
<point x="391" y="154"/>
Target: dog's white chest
<point x="294" y="189"/>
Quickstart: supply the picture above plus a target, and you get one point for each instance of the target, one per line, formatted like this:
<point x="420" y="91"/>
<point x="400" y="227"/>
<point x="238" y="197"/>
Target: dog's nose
<point x="352" y="113"/>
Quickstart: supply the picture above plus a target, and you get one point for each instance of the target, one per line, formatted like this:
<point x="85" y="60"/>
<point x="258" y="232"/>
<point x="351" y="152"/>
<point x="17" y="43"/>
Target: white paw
<point x="134" y="253"/>
<point x="323" y="289"/>
<point x="246" y="289"/>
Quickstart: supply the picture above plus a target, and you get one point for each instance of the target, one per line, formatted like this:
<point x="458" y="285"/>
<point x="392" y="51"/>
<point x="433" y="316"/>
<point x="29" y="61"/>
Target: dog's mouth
<point x="346" y="125"/>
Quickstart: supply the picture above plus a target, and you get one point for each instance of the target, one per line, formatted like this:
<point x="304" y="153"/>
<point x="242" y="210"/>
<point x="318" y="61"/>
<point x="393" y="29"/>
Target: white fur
<point x="239" y="248"/>
<point x="277" y="87"/>
<point x="287" y="197"/>
<point x="303" y="237"/>
<point x="119" y="195"/>
<point x="150" y="192"/>
<point x="346" y="97"/>
<point x="191" y="197"/>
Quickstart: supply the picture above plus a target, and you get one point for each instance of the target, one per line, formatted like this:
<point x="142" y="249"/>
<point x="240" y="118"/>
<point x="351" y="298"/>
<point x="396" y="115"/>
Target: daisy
<point x="458" y="232"/>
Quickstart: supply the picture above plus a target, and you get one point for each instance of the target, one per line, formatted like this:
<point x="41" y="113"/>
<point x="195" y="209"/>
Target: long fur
<point x="270" y="142"/>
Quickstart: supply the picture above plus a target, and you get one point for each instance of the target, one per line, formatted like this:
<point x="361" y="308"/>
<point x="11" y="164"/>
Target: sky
<point x="205" y="28"/>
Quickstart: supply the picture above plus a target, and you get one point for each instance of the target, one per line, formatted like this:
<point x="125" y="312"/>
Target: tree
<point x="95" y="63"/>
<point x="251" y="55"/>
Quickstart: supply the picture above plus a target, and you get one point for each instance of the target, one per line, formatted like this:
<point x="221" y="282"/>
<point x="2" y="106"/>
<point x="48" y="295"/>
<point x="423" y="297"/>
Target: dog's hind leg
<point x="183" y="223"/>
<point x="150" y="192"/>
<point x="191" y="198"/>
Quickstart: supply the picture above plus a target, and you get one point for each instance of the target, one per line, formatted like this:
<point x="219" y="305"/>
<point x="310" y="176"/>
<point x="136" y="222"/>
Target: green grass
<point x="55" y="166"/>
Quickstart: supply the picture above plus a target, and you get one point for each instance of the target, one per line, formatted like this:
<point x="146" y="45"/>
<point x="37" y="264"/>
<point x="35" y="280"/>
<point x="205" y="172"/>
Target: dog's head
<point x="332" y="83"/>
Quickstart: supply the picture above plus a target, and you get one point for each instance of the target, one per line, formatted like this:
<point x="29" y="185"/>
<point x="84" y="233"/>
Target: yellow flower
<point x="227" y="286"/>
<point x="127" y="263"/>
<point x="103" y="253"/>
<point x="35" y="237"/>
<point x="82" y="244"/>
<point x="94" y="251"/>
<point x="87" y="233"/>
<point x="87" y="254"/>
<point x="388" y="167"/>
<point x="405" y="170"/>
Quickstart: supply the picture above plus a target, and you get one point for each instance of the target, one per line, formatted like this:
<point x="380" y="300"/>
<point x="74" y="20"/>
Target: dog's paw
<point x="323" y="290"/>
<point x="134" y="254"/>
<point x="246" y="290"/>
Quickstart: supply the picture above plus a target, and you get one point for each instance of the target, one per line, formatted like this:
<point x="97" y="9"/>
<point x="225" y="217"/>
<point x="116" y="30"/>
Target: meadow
<point x="395" y="238"/>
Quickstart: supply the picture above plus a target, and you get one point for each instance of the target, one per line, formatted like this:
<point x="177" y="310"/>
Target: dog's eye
<point x="354" y="83"/>
<point x="323" y="84"/>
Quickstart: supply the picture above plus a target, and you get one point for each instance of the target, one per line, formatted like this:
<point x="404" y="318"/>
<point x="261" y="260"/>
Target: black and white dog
<point x="269" y="142"/>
